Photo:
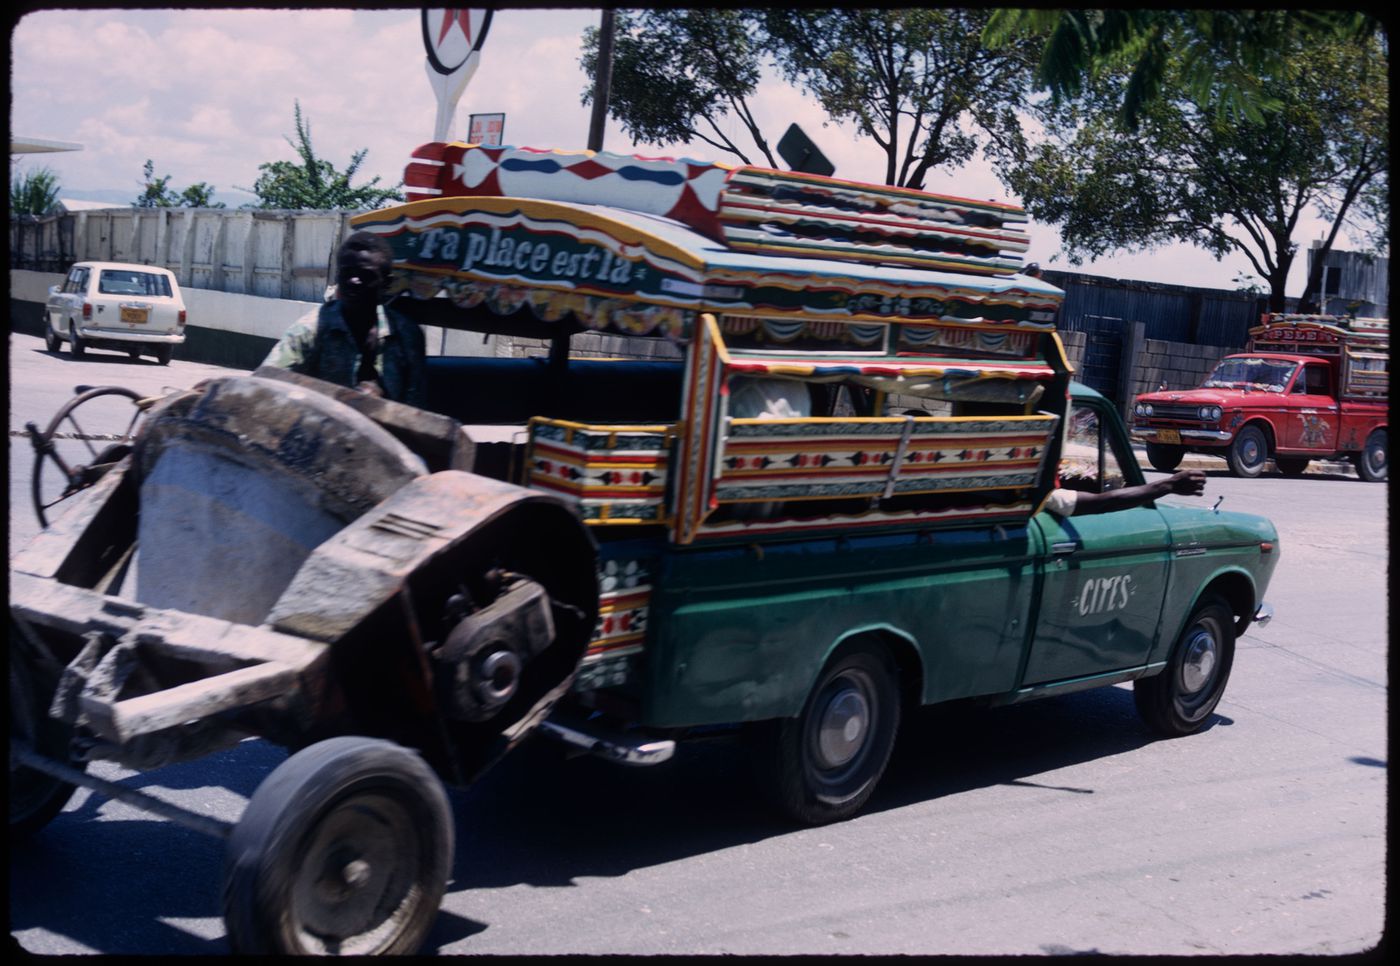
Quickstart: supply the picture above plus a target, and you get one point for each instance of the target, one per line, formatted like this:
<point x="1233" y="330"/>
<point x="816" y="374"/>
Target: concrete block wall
<point x="1174" y="365"/>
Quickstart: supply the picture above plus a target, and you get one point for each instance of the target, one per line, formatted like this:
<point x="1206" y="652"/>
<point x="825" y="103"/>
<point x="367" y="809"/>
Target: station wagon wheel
<point x="1248" y="453"/>
<point x="1164" y="457"/>
<point x="35" y="798"/>
<point x="51" y="341"/>
<point x="134" y="353"/>
<point x="1179" y="699"/>
<point x="71" y="455"/>
<point x="1372" y="462"/>
<point x="345" y="849"/>
<point x="823" y="765"/>
<point x="1291" y="465"/>
<point x="75" y="343"/>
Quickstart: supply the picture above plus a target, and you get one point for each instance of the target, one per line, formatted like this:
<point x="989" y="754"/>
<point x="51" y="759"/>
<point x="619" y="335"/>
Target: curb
<point x="1197" y="461"/>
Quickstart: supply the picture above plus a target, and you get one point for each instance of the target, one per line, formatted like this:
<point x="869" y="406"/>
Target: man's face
<point x="361" y="278"/>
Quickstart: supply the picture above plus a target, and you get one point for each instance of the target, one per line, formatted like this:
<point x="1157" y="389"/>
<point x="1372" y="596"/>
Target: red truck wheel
<point x="1164" y="457"/>
<point x="1248" y="453"/>
<point x="1371" y="462"/>
<point x="1291" y="465"/>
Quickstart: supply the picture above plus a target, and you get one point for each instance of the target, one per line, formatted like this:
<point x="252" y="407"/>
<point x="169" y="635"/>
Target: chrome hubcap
<point x="843" y="727"/>
<point x="1199" y="663"/>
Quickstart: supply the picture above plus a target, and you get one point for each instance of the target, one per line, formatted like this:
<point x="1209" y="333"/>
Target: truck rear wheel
<point x="1371" y="462"/>
<point x="1164" y="457"/>
<point x="1178" y="700"/>
<point x="1248" y="453"/>
<point x="823" y="765"/>
<point x="345" y="849"/>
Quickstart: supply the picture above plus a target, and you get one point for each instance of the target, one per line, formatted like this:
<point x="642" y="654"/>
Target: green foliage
<point x="314" y="182"/>
<point x="157" y="193"/>
<point x="1226" y="60"/>
<point x="918" y="82"/>
<point x="34" y="192"/>
<point x="678" y="74"/>
<point x="1189" y="174"/>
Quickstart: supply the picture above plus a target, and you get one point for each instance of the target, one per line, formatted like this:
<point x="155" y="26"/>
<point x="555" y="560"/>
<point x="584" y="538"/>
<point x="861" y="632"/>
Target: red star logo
<point x="449" y="17"/>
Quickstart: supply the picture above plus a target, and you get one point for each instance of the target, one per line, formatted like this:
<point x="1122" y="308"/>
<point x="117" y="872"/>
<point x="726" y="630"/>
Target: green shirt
<point x="320" y="344"/>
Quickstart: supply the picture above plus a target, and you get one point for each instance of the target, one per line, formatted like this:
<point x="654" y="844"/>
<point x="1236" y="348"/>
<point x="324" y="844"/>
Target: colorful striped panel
<point x="616" y="473"/>
<point x="704" y="393"/>
<point x="808" y="459"/>
<point x="787" y="213"/>
<point x="938" y="338"/>
<point x="873" y="520"/>
<point x="620" y="634"/>
<point x="1367" y="375"/>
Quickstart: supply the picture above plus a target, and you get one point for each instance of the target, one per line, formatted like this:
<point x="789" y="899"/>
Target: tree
<point x="1191" y="175"/>
<point x="34" y="193"/>
<point x="677" y="74"/>
<point x="315" y="183"/>
<point x="1227" y="60"/>
<point x="917" y="81"/>
<point x="156" y="192"/>
<point x="913" y="80"/>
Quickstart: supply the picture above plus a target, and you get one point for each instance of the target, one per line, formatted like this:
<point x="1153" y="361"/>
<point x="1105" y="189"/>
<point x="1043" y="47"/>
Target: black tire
<point x="1164" y="457"/>
<point x="51" y="341"/>
<point x="1291" y="465"/>
<point x="1178" y="700"/>
<point x="75" y="344"/>
<point x="35" y="798"/>
<point x="1372" y="462"/>
<point x="163" y="354"/>
<point x="345" y="849"/>
<point x="1248" y="453"/>
<point x="135" y="354"/>
<point x="812" y="767"/>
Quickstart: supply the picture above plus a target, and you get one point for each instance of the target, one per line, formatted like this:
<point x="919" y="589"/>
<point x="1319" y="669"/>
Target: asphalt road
<point x="1056" y="826"/>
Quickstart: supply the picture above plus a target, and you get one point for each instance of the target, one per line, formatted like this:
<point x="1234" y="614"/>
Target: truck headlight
<point x="1209" y="413"/>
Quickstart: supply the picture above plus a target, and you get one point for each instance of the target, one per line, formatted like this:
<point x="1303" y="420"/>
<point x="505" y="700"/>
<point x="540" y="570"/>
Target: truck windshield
<point x="1264" y="375"/>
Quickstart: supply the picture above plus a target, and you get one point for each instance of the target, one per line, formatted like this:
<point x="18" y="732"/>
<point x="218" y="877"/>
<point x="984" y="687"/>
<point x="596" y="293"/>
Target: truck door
<point x="1104" y="575"/>
<point x="1310" y="410"/>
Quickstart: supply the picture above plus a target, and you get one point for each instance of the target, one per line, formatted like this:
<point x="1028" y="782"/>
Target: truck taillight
<point x="180" y="321"/>
<point x="87" y="311"/>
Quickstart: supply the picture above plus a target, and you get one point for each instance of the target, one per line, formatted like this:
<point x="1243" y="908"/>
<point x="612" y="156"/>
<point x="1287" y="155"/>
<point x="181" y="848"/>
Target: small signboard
<point x="486" y="129"/>
<point x="797" y="149"/>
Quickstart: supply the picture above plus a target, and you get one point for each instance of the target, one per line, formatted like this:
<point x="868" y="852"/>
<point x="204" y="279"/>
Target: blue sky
<point x="208" y="96"/>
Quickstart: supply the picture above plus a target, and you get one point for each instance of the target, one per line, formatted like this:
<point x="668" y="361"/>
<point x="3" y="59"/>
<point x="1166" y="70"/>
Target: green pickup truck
<point x="777" y="460"/>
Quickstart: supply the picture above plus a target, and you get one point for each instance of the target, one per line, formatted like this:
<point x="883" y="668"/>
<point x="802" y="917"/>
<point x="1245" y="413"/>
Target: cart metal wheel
<point x="35" y="798"/>
<point x="823" y="765"/>
<point x="1178" y="700"/>
<point x="69" y="455"/>
<point x="1248" y="453"/>
<point x="1165" y="457"/>
<point x="1371" y="463"/>
<point x="345" y="849"/>
<point x="75" y="343"/>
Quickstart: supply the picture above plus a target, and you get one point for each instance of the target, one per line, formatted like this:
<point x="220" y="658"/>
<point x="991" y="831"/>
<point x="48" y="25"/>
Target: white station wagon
<point x="113" y="305"/>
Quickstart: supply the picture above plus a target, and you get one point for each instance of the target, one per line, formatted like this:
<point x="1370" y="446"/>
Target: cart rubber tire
<point x="51" y="340"/>
<point x="75" y="343"/>
<point x="1179" y="699"/>
<point x="823" y="765"/>
<point x="35" y="798"/>
<point x="345" y="849"/>
<point x="1372" y="463"/>
<point x="163" y="354"/>
<point x="1291" y="465"/>
<point x="1248" y="453"/>
<point x="1164" y="457"/>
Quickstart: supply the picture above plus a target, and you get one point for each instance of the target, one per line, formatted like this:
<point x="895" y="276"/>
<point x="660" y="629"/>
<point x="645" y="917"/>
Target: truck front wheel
<point x="1164" y="457"/>
<point x="822" y="766"/>
<point x="1178" y="700"/>
<point x="1248" y="453"/>
<point x="1371" y="462"/>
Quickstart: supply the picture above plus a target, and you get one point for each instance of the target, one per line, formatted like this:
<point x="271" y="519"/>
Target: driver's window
<point x="1089" y="462"/>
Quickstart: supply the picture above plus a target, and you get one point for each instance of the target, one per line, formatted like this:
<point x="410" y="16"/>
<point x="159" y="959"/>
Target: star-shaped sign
<point x="459" y="17"/>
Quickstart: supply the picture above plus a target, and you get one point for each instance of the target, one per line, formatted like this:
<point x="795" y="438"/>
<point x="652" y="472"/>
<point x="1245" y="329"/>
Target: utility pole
<point x="602" y="82"/>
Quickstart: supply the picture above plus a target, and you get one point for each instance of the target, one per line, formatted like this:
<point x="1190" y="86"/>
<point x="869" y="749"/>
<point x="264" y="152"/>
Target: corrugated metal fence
<point x="1169" y="313"/>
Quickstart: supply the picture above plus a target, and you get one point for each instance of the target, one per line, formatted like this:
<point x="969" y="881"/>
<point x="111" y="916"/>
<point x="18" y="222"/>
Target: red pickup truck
<point x="1308" y="387"/>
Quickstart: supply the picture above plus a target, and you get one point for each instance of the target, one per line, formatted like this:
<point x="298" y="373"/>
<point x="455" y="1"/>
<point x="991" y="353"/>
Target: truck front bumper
<point x="1148" y="434"/>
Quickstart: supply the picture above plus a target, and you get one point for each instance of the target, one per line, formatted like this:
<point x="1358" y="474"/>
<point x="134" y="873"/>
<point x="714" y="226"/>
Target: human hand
<point x="1188" y="482"/>
<point x="374" y="389"/>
